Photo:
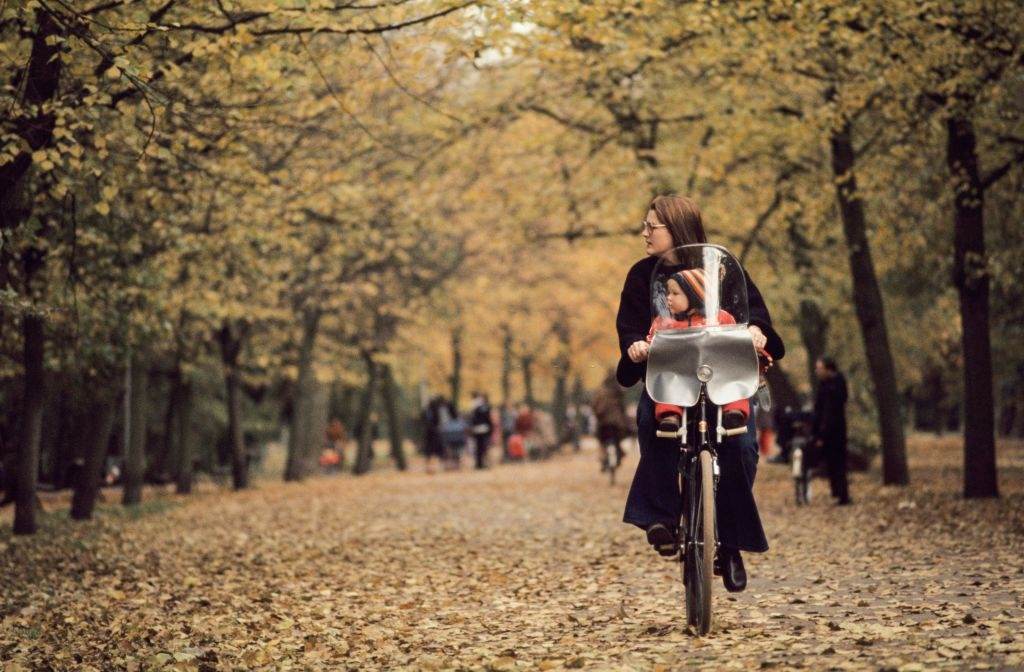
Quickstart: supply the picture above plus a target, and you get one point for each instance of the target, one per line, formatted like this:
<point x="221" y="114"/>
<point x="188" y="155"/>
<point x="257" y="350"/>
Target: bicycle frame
<point x="690" y="449"/>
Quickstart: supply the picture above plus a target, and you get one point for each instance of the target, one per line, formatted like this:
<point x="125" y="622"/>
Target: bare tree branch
<point x="565" y="121"/>
<point x="1002" y="170"/>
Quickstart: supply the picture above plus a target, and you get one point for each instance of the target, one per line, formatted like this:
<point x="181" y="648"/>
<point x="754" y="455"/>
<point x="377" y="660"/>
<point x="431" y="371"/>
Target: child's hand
<point x="638" y="351"/>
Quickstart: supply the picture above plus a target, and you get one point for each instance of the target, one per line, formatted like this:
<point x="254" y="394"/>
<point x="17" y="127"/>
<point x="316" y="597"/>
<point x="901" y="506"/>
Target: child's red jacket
<point x="693" y="319"/>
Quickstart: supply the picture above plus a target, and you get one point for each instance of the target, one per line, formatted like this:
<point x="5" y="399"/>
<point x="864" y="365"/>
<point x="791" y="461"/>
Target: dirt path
<point x="518" y="567"/>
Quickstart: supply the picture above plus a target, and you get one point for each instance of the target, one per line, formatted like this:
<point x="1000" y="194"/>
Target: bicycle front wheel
<point x="700" y="552"/>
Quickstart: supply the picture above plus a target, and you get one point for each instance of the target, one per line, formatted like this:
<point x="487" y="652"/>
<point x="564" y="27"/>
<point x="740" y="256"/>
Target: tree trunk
<point x="506" y="365"/>
<point x="527" y="365"/>
<point x="970" y="275"/>
<point x="231" y="339"/>
<point x="10" y="437"/>
<point x="364" y="451"/>
<point x="186" y="440"/>
<point x="42" y="77"/>
<point x="31" y="427"/>
<point x="300" y="439"/>
<point x="395" y="434"/>
<point x="867" y="297"/>
<point x="163" y="459"/>
<point x="929" y="402"/>
<point x="456" y="379"/>
<point x="172" y="441"/>
<point x="239" y="457"/>
<point x="1010" y="411"/>
<point x="135" y="455"/>
<point x="58" y="437"/>
<point x="814" y="334"/>
<point x="343" y="404"/>
<point x="577" y="401"/>
<point x="98" y="427"/>
<point x="1007" y="417"/>
<point x="560" y="400"/>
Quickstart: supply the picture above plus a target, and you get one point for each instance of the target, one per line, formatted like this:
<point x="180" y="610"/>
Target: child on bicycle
<point x="685" y="293"/>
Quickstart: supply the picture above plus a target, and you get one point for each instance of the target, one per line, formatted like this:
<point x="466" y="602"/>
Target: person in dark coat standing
<point x="654" y="503"/>
<point x="481" y="427"/>
<point x="830" y="425"/>
<point x="433" y="446"/>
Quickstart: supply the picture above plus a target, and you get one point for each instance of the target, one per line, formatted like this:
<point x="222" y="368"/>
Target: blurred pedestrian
<point x="481" y="427"/>
<point x="525" y="424"/>
<point x="454" y="430"/>
<point x="433" y="446"/>
<point x="507" y="417"/>
<point x="333" y="454"/>
<point x="830" y="425"/>
<point x="524" y="419"/>
<point x="573" y="429"/>
<point x="609" y="406"/>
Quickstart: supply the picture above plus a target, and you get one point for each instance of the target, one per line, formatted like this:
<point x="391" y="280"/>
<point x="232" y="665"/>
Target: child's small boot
<point x="668" y="426"/>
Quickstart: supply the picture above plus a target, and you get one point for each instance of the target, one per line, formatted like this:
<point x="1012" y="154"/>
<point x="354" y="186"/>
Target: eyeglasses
<point x="646" y="228"/>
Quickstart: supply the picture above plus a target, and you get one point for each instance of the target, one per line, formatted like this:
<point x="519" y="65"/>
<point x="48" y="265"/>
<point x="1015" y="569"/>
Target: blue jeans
<point x="654" y="496"/>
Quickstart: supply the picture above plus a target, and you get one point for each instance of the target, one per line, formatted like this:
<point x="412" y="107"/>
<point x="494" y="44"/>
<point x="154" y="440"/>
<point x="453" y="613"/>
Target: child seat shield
<point x="676" y="355"/>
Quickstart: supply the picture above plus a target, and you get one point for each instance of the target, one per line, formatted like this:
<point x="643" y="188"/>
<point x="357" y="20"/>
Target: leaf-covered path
<point x="519" y="567"/>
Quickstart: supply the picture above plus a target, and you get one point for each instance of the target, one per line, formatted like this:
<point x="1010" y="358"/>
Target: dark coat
<point x="481" y="417"/>
<point x="830" y="428"/>
<point x="433" y="445"/>
<point x="830" y="409"/>
<point x="634" y="319"/>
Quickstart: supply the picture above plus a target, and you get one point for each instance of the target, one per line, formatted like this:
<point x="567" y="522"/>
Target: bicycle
<point x="701" y="369"/>
<point x="698" y="531"/>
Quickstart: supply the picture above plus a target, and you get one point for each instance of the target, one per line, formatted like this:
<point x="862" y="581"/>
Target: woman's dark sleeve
<point x="760" y="317"/>
<point x="632" y="323"/>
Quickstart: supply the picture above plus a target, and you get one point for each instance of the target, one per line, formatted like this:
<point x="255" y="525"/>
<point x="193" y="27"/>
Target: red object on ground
<point x="516" y="447"/>
<point x="765" y="440"/>
<point x="330" y="458"/>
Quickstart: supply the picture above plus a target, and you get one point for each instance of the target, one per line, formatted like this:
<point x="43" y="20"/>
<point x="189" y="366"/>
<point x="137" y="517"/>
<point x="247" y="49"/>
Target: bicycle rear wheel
<point x="700" y="552"/>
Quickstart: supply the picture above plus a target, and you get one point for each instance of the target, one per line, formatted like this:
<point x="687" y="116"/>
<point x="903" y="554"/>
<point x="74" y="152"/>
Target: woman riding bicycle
<point x="654" y="500"/>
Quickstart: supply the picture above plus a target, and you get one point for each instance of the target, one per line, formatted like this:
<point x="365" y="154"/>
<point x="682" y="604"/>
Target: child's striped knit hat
<point x="692" y="283"/>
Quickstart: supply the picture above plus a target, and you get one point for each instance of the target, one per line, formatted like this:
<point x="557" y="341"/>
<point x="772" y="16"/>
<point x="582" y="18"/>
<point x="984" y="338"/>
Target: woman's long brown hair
<point x="682" y="217"/>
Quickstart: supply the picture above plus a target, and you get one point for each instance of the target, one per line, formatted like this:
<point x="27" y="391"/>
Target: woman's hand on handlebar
<point x="638" y="351"/>
<point x="760" y="340"/>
